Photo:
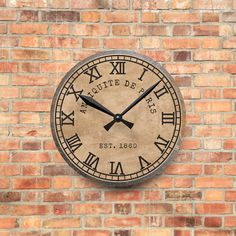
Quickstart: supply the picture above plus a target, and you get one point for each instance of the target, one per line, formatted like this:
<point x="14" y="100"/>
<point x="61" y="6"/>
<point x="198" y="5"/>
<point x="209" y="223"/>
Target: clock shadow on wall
<point x="117" y="118"/>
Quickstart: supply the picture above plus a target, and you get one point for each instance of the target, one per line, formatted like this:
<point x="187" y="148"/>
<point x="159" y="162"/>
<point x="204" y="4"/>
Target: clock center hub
<point x="118" y="117"/>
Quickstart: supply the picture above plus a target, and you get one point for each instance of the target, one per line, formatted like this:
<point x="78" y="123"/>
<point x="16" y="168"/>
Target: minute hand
<point x="149" y="90"/>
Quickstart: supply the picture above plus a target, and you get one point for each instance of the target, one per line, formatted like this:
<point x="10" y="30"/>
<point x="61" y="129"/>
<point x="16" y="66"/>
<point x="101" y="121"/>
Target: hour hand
<point x="93" y="103"/>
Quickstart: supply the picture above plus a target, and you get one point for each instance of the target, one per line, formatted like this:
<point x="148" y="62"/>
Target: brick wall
<point x="194" y="40"/>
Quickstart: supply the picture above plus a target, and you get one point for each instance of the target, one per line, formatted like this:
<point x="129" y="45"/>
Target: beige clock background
<point x="40" y="41"/>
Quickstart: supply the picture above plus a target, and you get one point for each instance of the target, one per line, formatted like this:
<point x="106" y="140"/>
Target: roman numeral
<point x="67" y="119"/>
<point x="160" y="92"/>
<point x="161" y="143"/>
<point x="116" y="168"/>
<point x="168" y="118"/>
<point x="74" y="142"/>
<point x="92" y="161"/>
<point x="93" y="73"/>
<point x="143" y="163"/>
<point x="141" y="77"/>
<point x="72" y="90"/>
<point x="118" y="68"/>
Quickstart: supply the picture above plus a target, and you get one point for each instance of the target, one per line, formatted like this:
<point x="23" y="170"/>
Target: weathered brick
<point x="153" y="208"/>
<point x="122" y="196"/>
<point x="118" y="43"/>
<point x="181" y="4"/>
<point x="214" y="4"/>
<point x="29" y="28"/>
<point x="29" y="15"/>
<point x="62" y="223"/>
<point x="216" y="208"/>
<point x="90" y="16"/>
<point x="182" y="221"/>
<point x="214" y="182"/>
<point x="181" y="17"/>
<point x="9" y="223"/>
<point x="150" y="5"/>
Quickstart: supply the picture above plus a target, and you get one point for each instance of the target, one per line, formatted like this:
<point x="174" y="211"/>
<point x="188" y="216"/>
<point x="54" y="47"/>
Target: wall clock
<point x="117" y="117"/>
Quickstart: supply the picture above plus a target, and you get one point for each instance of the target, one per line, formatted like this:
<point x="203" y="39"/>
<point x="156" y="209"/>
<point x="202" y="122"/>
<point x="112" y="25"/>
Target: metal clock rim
<point x="153" y="63"/>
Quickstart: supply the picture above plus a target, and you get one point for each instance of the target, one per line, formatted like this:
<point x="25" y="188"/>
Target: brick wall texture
<point x="40" y="40"/>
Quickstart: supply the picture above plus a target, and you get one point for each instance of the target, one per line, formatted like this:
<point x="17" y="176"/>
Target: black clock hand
<point x="91" y="102"/>
<point x="135" y="102"/>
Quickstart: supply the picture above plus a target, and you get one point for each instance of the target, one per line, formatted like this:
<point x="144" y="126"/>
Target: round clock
<point x="117" y="117"/>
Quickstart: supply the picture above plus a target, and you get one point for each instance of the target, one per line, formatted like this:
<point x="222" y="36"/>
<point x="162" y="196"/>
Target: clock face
<point x="117" y="117"/>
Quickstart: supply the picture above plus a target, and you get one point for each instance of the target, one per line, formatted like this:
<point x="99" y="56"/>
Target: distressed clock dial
<point x="117" y="117"/>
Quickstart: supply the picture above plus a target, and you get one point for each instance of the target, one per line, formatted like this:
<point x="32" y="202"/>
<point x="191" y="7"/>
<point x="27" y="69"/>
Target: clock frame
<point x="100" y="154"/>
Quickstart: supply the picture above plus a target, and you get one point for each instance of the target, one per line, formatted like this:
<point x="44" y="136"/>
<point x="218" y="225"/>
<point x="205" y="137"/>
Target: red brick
<point x="214" y="4"/>
<point x="152" y="195"/>
<point x="31" y="106"/>
<point x="9" y="223"/>
<point x="157" y="55"/>
<point x="150" y="5"/>
<point x="213" y="169"/>
<point x="182" y="221"/>
<point x="230" y="43"/>
<point x="62" y="223"/>
<point x="212" y="232"/>
<point x="230" y="68"/>
<point x="183" y="182"/>
<point x="90" y="232"/>
<point x="8" y="41"/>
<point x="176" y="17"/>
<point x="90" y="16"/>
<point x="206" y="30"/>
<point x="30" y="54"/>
<point x="3" y="28"/>
<point x="29" y="15"/>
<point x="23" y="3"/>
<point x="56" y="66"/>
<point x="180" y="30"/>
<point x="183" y="195"/>
<point x="60" y="29"/>
<point x="210" y="43"/>
<point x="92" y="196"/>
<point x="216" y="106"/>
<point x="214" y="195"/>
<point x="230" y="169"/>
<point x="184" y="208"/>
<point x="118" y="43"/>
<point x="60" y="182"/>
<point x="150" y="17"/>
<point x="153" y="208"/>
<point x="183" y="68"/>
<point x="31" y="183"/>
<point x="119" y="17"/>
<point x="229" y="118"/>
<point x="9" y="144"/>
<point x="213" y="208"/>
<point x="216" y="80"/>
<point x="35" y="80"/>
<point x="29" y="222"/>
<point x="59" y="4"/>
<point x="62" y="209"/>
<point x="230" y="195"/>
<point x="28" y="210"/>
<point x="213" y="131"/>
<point x="90" y="30"/>
<point x="230" y="144"/>
<point x="122" y="196"/>
<point x="213" y="222"/>
<point x="92" y="208"/>
<point x="154" y="30"/>
<point x="214" y="182"/>
<point x="210" y="17"/>
<point x="8" y="67"/>
<point x="120" y="30"/>
<point x="182" y="232"/>
<point x="182" y="56"/>
<point x="120" y="4"/>
<point x="209" y="157"/>
<point x="29" y="28"/>
<point x="9" y="92"/>
<point x="7" y="15"/>
<point x="183" y="169"/>
<point x="122" y="222"/>
<point x="30" y="41"/>
<point x="29" y="67"/>
<point x="229" y="16"/>
<point x="9" y="170"/>
<point x="181" y="4"/>
<point x="62" y="196"/>
<point x="212" y="55"/>
<point x="60" y="16"/>
<point x="10" y="196"/>
<point x="4" y="184"/>
<point x="229" y="93"/>
<point x="90" y="4"/>
<point x="191" y="144"/>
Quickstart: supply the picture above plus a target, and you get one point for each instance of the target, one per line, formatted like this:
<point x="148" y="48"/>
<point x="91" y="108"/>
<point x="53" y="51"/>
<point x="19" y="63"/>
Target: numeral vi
<point x="116" y="168"/>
